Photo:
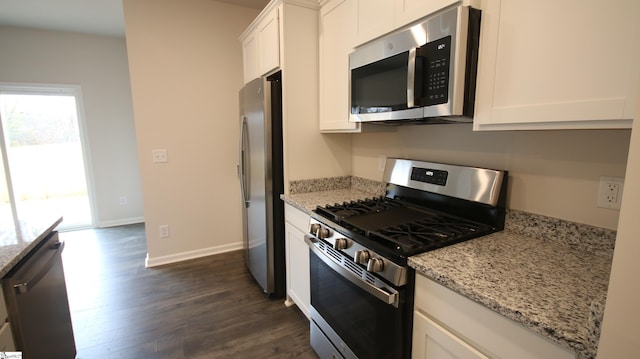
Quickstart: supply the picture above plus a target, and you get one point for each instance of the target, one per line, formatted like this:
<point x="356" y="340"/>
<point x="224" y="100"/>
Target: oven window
<point x="371" y="328"/>
<point x="380" y="86"/>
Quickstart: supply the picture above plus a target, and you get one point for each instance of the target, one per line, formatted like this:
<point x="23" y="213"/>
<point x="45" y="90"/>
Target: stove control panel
<point x="340" y="243"/>
<point x="375" y="265"/>
<point x="362" y="256"/>
<point x="320" y="231"/>
<point x="370" y="261"/>
<point x="428" y="175"/>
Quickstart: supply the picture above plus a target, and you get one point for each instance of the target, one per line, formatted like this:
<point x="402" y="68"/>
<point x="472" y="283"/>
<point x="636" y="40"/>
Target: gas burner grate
<point x="340" y="211"/>
<point x="433" y="231"/>
<point x="402" y="228"/>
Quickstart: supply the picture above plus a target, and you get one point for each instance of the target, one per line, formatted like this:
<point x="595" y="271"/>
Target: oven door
<point x="360" y="320"/>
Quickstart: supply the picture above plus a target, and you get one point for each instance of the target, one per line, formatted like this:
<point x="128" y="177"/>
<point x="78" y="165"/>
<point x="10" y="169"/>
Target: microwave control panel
<point x="437" y="57"/>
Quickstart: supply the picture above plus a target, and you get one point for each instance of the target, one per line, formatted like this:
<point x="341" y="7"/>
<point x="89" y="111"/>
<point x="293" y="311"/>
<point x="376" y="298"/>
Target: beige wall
<point x="99" y="65"/>
<point x="308" y="153"/>
<point x="554" y="173"/>
<point x="186" y="71"/>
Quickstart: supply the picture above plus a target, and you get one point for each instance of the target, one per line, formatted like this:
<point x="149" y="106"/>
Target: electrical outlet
<point x="159" y="156"/>
<point x="123" y="200"/>
<point x="164" y="231"/>
<point x="610" y="192"/>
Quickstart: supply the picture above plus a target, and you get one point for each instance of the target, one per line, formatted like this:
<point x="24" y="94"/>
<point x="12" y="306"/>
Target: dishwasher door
<point x="36" y="296"/>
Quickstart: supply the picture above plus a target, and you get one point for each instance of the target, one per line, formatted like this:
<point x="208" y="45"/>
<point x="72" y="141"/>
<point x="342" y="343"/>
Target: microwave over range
<point x="425" y="73"/>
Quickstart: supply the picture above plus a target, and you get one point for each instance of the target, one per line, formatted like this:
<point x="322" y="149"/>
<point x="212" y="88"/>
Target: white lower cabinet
<point x="335" y="46"/>
<point x="297" y="253"/>
<point x="431" y="340"/>
<point x="6" y="339"/>
<point x="449" y="325"/>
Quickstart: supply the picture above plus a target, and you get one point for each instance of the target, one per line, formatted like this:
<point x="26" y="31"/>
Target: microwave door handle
<point x="411" y="79"/>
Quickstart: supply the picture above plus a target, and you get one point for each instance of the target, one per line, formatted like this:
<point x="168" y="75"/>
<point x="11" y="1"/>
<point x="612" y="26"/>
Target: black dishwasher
<point x="36" y="297"/>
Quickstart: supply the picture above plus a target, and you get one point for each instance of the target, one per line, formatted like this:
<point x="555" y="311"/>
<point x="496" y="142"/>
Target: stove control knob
<point x="314" y="228"/>
<point x="340" y="243"/>
<point x="375" y="265"/>
<point x="324" y="233"/>
<point x="362" y="257"/>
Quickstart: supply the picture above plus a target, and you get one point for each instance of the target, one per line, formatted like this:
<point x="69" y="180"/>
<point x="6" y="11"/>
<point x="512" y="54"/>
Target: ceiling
<point x="100" y="17"/>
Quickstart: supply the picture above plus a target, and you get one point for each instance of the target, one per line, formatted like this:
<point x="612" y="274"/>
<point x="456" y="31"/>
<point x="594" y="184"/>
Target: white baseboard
<point x="120" y="222"/>
<point x="179" y="257"/>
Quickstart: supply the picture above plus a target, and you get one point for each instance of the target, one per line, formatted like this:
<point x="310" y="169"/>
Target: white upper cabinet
<point x="335" y="46"/>
<point x="269" y="41"/>
<point x="261" y="45"/>
<point x="250" y="57"/>
<point x="374" y="18"/>
<point x="558" y="64"/>
<point x="407" y="11"/>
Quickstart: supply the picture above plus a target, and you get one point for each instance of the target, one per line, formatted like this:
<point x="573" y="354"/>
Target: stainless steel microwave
<point x="424" y="73"/>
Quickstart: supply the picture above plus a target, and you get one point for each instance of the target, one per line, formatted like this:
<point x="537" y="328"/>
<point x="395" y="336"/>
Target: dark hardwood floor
<point x="203" y="308"/>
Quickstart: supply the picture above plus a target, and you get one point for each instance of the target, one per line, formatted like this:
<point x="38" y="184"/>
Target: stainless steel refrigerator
<point x="261" y="181"/>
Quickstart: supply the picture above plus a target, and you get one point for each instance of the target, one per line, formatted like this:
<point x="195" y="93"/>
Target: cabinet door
<point x="298" y="287"/>
<point x="481" y="327"/>
<point x="410" y="10"/>
<point x="335" y="46"/>
<point x="372" y="18"/>
<point x="6" y="339"/>
<point x="250" y="57"/>
<point x="432" y="341"/>
<point x="269" y="42"/>
<point x="558" y="64"/>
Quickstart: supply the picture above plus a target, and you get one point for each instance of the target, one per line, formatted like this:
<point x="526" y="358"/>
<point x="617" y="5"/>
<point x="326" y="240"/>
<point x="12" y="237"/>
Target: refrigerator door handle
<point x="244" y="174"/>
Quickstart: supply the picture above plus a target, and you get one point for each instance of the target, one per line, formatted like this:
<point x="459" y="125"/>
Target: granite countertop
<point x="549" y="286"/>
<point x="18" y="240"/>
<point x="547" y="274"/>
<point x="307" y="202"/>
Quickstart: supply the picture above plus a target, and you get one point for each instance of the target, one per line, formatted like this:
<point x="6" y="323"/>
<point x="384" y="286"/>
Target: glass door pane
<point x="6" y="214"/>
<point x="42" y="140"/>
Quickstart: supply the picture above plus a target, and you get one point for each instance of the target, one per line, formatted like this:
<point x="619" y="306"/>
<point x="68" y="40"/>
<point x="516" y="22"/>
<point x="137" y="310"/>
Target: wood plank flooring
<point x="203" y="308"/>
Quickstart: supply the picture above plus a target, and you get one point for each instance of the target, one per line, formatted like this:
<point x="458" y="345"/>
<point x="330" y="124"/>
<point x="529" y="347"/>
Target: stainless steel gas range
<point x="361" y="286"/>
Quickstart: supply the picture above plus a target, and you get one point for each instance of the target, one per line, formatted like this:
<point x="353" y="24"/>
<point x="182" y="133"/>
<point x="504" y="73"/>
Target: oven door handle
<point x="386" y="297"/>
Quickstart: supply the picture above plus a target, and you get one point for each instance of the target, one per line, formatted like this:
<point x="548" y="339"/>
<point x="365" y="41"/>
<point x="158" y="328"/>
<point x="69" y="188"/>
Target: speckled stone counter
<point x="17" y="241"/>
<point x="548" y="274"/>
<point x="306" y="195"/>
